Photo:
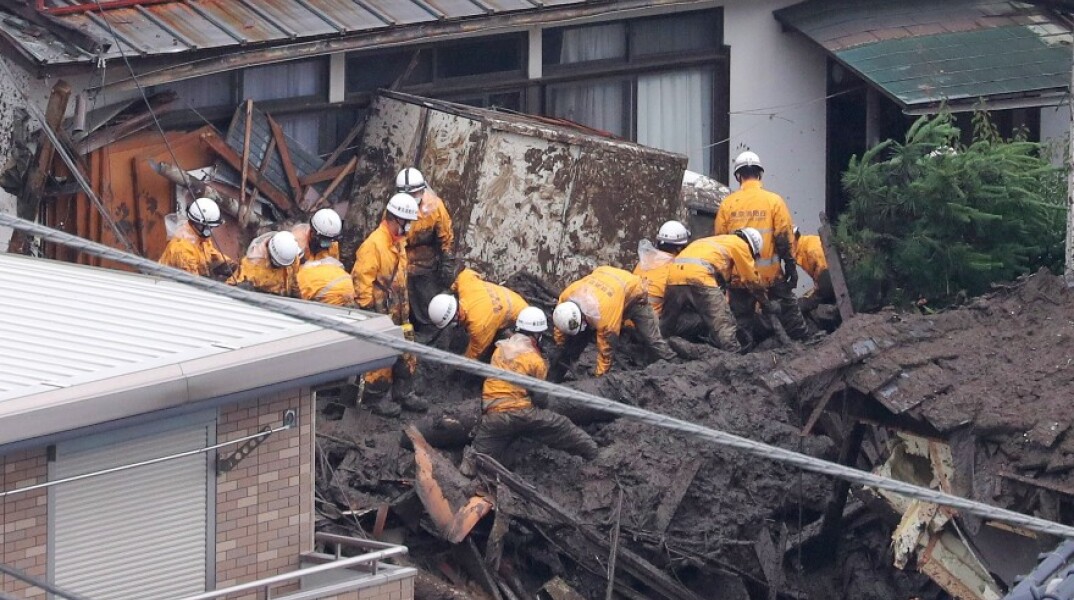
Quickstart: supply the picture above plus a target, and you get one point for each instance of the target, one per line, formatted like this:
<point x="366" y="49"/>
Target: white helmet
<point x="747" y="159"/>
<point x="326" y="223"/>
<point x="531" y="320"/>
<point x="753" y="238"/>
<point x="283" y="248"/>
<point x="673" y="232"/>
<point x="568" y="318"/>
<point x="204" y="213"/>
<point x="403" y="206"/>
<point x="409" y="180"/>
<point x="442" y="310"/>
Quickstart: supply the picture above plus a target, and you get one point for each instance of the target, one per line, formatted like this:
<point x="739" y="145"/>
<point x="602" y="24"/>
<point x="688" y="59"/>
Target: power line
<point x="721" y="438"/>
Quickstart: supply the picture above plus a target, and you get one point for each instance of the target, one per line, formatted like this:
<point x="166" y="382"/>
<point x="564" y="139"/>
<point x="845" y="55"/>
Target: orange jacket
<point x="484" y="309"/>
<point x="753" y="206"/>
<point x="809" y="254"/>
<point x="431" y="235"/>
<point x="518" y="355"/>
<point x="380" y="274"/>
<point x="192" y="253"/>
<point x="325" y="280"/>
<point x="653" y="268"/>
<point x="303" y="233"/>
<point x="257" y="270"/>
<point x="712" y="260"/>
<point x="604" y="295"/>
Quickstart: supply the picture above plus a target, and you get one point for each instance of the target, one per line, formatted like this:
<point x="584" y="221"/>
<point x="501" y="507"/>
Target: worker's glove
<point x="408" y="331"/>
<point x="222" y="270"/>
<point x="772" y="307"/>
<point x="539" y="399"/>
<point x="790" y="272"/>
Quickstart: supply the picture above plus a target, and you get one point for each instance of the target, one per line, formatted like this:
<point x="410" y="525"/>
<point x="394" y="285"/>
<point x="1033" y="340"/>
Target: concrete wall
<point x="778" y="84"/>
<point x="10" y="99"/>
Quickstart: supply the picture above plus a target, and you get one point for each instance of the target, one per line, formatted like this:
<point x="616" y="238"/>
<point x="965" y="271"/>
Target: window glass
<point x="370" y="72"/>
<point x="285" y="80"/>
<point x="689" y="32"/>
<point x="203" y="92"/>
<point x="602" y="105"/>
<point x="675" y="114"/>
<point x="303" y="128"/>
<point x="477" y="57"/>
<point x="585" y="44"/>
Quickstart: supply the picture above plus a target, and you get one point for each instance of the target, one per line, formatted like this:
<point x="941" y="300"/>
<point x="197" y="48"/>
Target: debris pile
<point x="981" y="385"/>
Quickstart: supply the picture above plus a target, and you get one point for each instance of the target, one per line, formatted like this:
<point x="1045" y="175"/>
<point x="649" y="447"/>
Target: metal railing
<point x="380" y="552"/>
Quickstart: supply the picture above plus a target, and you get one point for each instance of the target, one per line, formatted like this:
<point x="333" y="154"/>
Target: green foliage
<point x="929" y="218"/>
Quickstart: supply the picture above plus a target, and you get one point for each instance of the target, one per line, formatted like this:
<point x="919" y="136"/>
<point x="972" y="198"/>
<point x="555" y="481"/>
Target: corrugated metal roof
<point x="922" y="51"/>
<point x="66" y="325"/>
<point x="191" y="25"/>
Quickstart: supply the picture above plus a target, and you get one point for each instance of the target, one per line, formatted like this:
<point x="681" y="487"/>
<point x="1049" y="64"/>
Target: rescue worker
<point x="655" y="262"/>
<point x="325" y="280"/>
<point x="191" y="247"/>
<point x="485" y="310"/>
<point x="596" y="306"/>
<point x="700" y="274"/>
<point x="380" y="285"/>
<point x="817" y="303"/>
<point x="753" y="206"/>
<point x="508" y="411"/>
<point x="270" y="265"/>
<point x="430" y="244"/>
<point x="320" y="237"/>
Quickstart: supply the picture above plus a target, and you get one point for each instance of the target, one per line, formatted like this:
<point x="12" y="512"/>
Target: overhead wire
<point x="577" y="397"/>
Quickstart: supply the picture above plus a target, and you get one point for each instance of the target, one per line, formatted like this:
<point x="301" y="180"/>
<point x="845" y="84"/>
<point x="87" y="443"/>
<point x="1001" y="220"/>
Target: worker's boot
<point x="403" y="393"/>
<point x="378" y="401"/>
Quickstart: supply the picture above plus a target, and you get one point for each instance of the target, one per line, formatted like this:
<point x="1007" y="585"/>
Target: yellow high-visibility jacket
<point x="379" y="274"/>
<point x="431" y="235"/>
<point x="192" y="253"/>
<point x="325" y="280"/>
<point x="809" y="254"/>
<point x="753" y="206"/>
<point x="303" y="232"/>
<point x="518" y="355"/>
<point x="653" y="268"/>
<point x="604" y="295"/>
<point x="484" y="309"/>
<point x="257" y="270"/>
<point x="713" y="260"/>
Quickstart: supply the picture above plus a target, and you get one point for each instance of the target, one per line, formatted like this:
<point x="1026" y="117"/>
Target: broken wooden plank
<point x="680" y="484"/>
<point x="243" y="206"/>
<point x="347" y="170"/>
<point x="344" y="145"/>
<point x="658" y="581"/>
<point x="833" y="513"/>
<point x="471" y="560"/>
<point x="821" y="406"/>
<point x="771" y="560"/>
<point x="441" y="489"/>
<point x="1045" y="485"/>
<point x="382" y="518"/>
<point x="220" y="147"/>
<point x="285" y="158"/>
<point x="557" y="589"/>
<point x="835" y="269"/>
<point x="613" y="553"/>
<point x="321" y="176"/>
<point x="501" y="523"/>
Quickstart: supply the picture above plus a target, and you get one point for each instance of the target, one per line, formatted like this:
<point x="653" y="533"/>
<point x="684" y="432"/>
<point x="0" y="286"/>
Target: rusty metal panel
<point x="457" y="8"/>
<point x="404" y="13"/>
<point x="241" y="18"/>
<point x="349" y="14"/>
<point x="188" y="23"/>
<point x="516" y="222"/>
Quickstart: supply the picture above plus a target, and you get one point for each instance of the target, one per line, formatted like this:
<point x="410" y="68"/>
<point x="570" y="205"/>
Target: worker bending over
<point x="595" y="307"/>
<point x="380" y="285"/>
<point x="191" y="249"/>
<point x="699" y="277"/>
<point x="753" y="206"/>
<point x="508" y="411"/>
<point x="320" y="237"/>
<point x="655" y="262"/>
<point x="270" y="265"/>
<point x="819" y="302"/>
<point x="430" y="245"/>
<point x="485" y="310"/>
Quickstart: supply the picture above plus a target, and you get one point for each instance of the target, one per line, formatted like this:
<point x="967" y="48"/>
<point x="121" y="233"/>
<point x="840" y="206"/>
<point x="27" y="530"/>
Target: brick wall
<point x="24" y="535"/>
<point x="402" y="589"/>
<point x="264" y="518"/>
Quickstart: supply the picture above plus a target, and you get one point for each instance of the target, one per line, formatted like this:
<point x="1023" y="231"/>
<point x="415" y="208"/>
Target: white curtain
<point x="285" y="80"/>
<point x="600" y="105"/>
<point x="593" y="43"/>
<point x="675" y="114"/>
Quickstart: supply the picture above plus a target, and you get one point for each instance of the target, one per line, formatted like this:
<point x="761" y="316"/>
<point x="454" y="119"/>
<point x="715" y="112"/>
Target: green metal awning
<point x="923" y="52"/>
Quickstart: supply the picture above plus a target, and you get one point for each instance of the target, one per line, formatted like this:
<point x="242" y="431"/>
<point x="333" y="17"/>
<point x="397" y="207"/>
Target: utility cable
<point x="76" y="172"/>
<point x="577" y="397"/>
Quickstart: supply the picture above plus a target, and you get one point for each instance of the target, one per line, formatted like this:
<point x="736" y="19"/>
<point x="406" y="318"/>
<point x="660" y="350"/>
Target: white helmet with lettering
<point x="284" y="249"/>
<point x="204" y="213"/>
<point x="410" y="181"/>
<point x="747" y="159"/>
<point x="753" y="238"/>
<point x="674" y="233"/>
<point x="531" y="320"/>
<point x="403" y="206"/>
<point x="326" y="223"/>
<point x="568" y="318"/>
<point x="442" y="310"/>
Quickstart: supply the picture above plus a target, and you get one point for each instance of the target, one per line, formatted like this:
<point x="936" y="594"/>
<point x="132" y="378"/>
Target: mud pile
<point x="989" y="376"/>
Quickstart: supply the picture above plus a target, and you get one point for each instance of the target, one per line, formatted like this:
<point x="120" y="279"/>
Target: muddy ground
<point x="994" y="376"/>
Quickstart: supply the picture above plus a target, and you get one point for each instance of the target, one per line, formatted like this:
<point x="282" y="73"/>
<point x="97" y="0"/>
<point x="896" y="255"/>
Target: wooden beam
<point x="835" y="269"/>
<point x="346" y="143"/>
<point x="321" y="176"/>
<point x="833" y="513"/>
<point x="669" y="504"/>
<point x="335" y="183"/>
<point x="220" y="147"/>
<point x="285" y="158"/>
<point x="243" y="206"/>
